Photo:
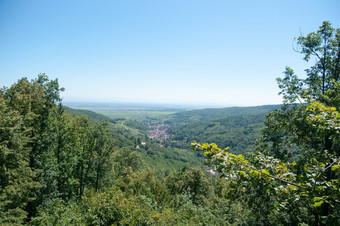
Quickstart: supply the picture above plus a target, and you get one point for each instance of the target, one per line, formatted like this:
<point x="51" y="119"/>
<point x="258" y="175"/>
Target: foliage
<point x="238" y="132"/>
<point x="277" y="184"/>
<point x="167" y="158"/>
<point x="295" y="175"/>
<point x="17" y="179"/>
<point x="193" y="183"/>
<point x="93" y="116"/>
<point x="24" y="112"/>
<point x="126" y="158"/>
<point x="59" y="212"/>
<point x="201" y="115"/>
<point x="45" y="153"/>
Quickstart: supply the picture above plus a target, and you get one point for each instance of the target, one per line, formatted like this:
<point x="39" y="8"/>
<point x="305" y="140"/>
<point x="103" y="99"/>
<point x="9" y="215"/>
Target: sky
<point x="225" y="53"/>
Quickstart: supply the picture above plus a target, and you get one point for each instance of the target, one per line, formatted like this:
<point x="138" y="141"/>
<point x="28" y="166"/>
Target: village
<point x="158" y="131"/>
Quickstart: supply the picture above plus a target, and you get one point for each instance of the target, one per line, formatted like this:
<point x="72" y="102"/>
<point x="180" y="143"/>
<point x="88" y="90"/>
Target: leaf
<point x="317" y="204"/>
<point x="213" y="145"/>
<point x="292" y="187"/>
<point x="265" y="171"/>
<point x="204" y="146"/>
<point x="254" y="173"/>
<point x="316" y="199"/>
<point x="335" y="167"/>
<point x="306" y="167"/>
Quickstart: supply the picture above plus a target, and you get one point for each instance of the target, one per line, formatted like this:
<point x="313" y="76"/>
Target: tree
<point x="59" y="157"/>
<point x="25" y="109"/>
<point x="103" y="146"/>
<point x="17" y="178"/>
<point x="295" y="173"/>
<point x="290" y="126"/>
<point x="190" y="182"/>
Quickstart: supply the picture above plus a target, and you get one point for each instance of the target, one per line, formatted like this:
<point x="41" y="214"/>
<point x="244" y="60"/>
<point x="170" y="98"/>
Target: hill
<point x="93" y="116"/>
<point x="234" y="127"/>
<point x="239" y="132"/>
<point x="131" y="133"/>
<point x="201" y="115"/>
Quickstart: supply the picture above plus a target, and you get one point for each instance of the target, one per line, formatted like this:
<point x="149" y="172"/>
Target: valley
<point x="234" y="127"/>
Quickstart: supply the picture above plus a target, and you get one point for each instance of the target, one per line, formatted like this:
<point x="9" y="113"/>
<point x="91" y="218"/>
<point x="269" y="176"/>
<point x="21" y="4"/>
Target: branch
<point x="282" y="180"/>
<point x="286" y="182"/>
<point x="317" y="55"/>
<point x="330" y="166"/>
<point x="336" y="72"/>
<point x="324" y="171"/>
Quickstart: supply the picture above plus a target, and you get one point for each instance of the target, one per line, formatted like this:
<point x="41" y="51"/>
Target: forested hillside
<point x="238" y="132"/>
<point x="132" y="133"/>
<point x="93" y="116"/>
<point x="200" y="115"/>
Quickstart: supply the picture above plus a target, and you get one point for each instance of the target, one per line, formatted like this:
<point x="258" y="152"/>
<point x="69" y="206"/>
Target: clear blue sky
<point x="199" y="52"/>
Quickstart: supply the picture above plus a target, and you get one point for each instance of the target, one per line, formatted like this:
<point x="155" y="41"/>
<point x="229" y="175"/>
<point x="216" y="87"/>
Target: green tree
<point x="78" y="155"/>
<point x="17" y="178"/>
<point x="289" y="134"/>
<point x="103" y="146"/>
<point x="59" y="157"/>
<point x="34" y="100"/>
<point x="126" y="158"/>
<point x="295" y="175"/>
<point x="190" y="182"/>
<point x="30" y="102"/>
<point x="93" y="148"/>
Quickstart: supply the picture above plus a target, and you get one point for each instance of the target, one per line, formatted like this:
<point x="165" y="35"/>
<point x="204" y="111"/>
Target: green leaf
<point x="317" y="204"/>
<point x="292" y="187"/>
<point x="335" y="167"/>
<point x="306" y="167"/>
<point x="265" y="171"/>
<point x="213" y="145"/>
<point x="316" y="199"/>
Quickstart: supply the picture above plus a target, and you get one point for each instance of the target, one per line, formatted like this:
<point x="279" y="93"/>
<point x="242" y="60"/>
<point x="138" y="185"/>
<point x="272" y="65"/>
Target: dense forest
<point x="238" y="132"/>
<point x="62" y="166"/>
<point x="202" y="115"/>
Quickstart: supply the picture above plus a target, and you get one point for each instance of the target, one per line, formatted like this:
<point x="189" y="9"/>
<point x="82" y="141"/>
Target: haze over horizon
<point x="216" y="53"/>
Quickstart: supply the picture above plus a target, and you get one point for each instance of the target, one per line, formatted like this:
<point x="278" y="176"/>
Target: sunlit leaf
<point x="335" y="167"/>
<point x="319" y="203"/>
<point x="292" y="187"/>
<point x="265" y="171"/>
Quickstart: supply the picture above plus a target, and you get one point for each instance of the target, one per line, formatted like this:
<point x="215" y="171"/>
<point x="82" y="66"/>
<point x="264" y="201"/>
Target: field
<point x="140" y="115"/>
<point x="139" y="112"/>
